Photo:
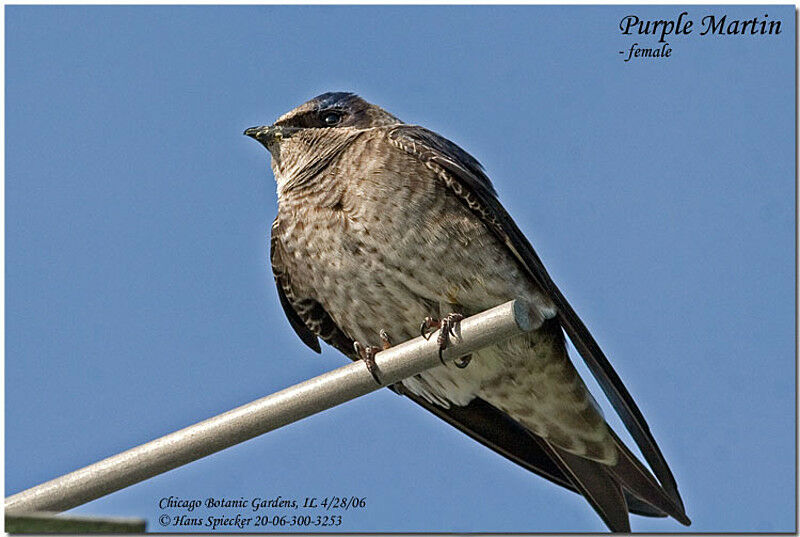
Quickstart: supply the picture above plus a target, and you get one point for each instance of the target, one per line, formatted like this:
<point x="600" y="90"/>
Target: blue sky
<point x="659" y="193"/>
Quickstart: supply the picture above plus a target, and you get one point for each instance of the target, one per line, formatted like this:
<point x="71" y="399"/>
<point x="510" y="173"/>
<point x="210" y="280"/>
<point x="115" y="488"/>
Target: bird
<point x="386" y="231"/>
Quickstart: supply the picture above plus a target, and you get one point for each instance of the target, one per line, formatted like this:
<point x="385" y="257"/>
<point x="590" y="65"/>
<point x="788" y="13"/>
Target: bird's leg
<point x="367" y="354"/>
<point x="449" y="325"/>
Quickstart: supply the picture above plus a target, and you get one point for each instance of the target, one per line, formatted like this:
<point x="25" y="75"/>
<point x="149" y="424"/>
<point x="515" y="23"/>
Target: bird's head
<point x="315" y="128"/>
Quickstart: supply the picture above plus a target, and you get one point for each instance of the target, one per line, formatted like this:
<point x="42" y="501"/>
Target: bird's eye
<point x="331" y="118"/>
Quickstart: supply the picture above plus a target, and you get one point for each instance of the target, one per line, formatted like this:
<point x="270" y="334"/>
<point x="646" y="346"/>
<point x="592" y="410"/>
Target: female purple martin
<point x="382" y="225"/>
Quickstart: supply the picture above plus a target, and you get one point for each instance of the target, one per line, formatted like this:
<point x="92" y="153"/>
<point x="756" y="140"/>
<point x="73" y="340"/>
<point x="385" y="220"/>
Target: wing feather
<point x="465" y="177"/>
<point x="480" y="420"/>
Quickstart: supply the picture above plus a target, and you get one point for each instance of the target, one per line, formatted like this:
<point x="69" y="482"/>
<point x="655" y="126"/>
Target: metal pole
<point x="266" y="414"/>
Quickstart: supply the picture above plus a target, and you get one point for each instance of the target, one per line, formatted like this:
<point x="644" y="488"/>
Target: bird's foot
<point x="385" y="341"/>
<point x="367" y="354"/>
<point x="448" y="326"/>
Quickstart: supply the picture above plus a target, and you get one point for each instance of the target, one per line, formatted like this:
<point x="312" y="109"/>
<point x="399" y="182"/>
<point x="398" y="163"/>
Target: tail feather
<point x="507" y="437"/>
<point x="613" y="491"/>
<point x="598" y="486"/>
<point x="635" y="478"/>
<point x="642" y="508"/>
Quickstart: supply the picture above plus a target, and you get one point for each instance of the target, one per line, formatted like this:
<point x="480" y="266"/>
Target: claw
<point x="385" y="341"/>
<point x="449" y="326"/>
<point x="367" y="354"/>
<point x="425" y="328"/>
<point x="453" y="320"/>
<point x="463" y="362"/>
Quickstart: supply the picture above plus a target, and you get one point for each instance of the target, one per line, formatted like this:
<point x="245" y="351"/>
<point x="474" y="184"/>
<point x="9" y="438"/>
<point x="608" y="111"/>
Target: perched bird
<point x="382" y="226"/>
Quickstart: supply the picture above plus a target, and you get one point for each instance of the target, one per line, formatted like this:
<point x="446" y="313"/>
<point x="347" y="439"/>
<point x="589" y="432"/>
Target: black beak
<point x="269" y="135"/>
<point x="252" y="132"/>
<point x="265" y="135"/>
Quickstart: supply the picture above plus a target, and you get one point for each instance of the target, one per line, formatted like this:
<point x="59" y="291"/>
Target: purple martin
<point x="383" y="225"/>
